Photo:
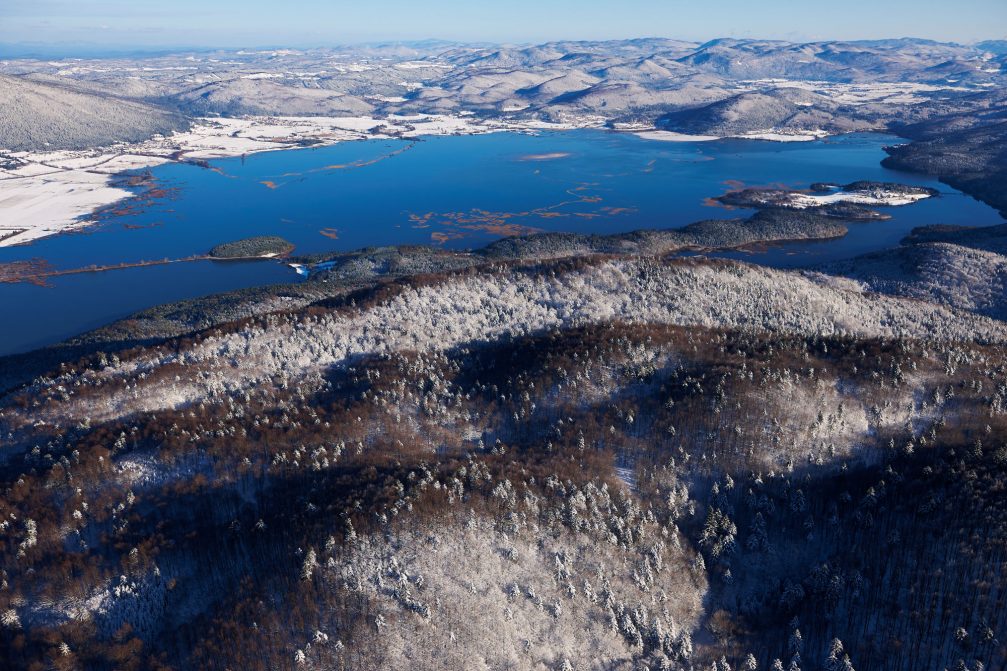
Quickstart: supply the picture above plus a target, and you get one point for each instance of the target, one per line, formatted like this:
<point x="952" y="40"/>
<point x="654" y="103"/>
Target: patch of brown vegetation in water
<point x="441" y="237"/>
<point x="713" y="202"/>
<point x="456" y="225"/>
<point x="31" y="271"/>
<point x="151" y="192"/>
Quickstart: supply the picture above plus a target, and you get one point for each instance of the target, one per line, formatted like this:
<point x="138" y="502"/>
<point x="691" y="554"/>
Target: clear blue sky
<point x="158" y="23"/>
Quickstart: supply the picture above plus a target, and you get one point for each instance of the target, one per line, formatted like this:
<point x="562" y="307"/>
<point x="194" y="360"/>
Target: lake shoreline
<point x="67" y="191"/>
<point x="593" y="184"/>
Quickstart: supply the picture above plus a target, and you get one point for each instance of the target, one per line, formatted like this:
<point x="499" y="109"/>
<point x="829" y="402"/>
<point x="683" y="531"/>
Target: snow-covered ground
<point x="771" y="135"/>
<point x="864" y="193"/>
<point x="669" y="136"/>
<point x="37" y="205"/>
<point x="855" y="94"/>
<point x="871" y="197"/>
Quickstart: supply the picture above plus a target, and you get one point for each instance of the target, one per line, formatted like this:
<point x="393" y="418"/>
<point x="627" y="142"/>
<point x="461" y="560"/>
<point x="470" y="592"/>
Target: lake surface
<point x="460" y="192"/>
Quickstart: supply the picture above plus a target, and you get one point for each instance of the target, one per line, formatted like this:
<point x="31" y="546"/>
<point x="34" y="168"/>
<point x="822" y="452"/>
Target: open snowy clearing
<point x="669" y="136"/>
<point x="42" y="205"/>
<point x="769" y="135"/>
<point x="872" y="197"/>
<point x="856" y="93"/>
<point x="777" y="136"/>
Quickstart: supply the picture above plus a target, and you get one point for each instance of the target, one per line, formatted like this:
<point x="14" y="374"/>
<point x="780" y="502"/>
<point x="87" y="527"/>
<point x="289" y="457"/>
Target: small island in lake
<point x="852" y="202"/>
<point x="259" y="247"/>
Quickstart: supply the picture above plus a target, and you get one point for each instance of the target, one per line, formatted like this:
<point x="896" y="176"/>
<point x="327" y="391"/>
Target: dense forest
<point x="630" y="491"/>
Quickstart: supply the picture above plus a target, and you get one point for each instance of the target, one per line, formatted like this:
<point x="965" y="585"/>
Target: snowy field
<point x="880" y="196"/>
<point x="771" y="135"/>
<point x="860" y="93"/>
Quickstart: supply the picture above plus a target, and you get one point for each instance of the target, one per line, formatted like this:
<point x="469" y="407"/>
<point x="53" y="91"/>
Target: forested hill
<point x="607" y="463"/>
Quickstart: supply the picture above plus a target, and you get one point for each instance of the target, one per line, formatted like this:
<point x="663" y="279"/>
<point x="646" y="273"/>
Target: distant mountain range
<point x="641" y="81"/>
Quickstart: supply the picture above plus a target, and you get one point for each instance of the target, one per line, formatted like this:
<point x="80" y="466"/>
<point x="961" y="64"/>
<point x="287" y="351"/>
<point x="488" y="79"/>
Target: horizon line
<point x="26" y="47"/>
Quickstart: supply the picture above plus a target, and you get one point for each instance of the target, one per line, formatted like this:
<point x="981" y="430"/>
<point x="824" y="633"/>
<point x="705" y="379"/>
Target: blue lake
<point x="460" y="192"/>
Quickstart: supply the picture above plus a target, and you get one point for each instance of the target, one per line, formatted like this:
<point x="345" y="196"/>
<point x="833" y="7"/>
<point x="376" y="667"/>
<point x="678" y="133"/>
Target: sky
<point x="297" y="23"/>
